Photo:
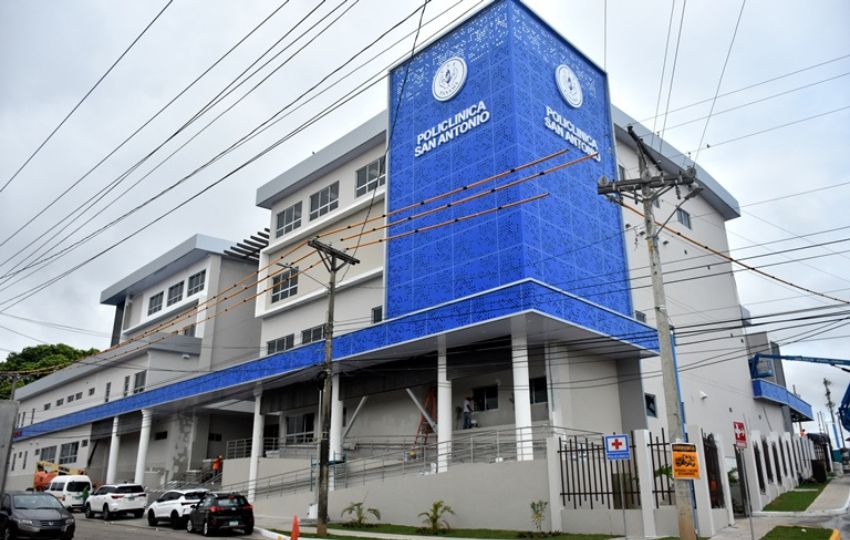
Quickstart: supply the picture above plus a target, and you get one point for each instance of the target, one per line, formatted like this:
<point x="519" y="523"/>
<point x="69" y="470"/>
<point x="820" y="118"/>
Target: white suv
<point x="113" y="499"/>
<point x="175" y="506"/>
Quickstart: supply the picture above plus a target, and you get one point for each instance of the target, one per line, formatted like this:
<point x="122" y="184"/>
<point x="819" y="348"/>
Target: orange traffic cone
<point x="295" y="532"/>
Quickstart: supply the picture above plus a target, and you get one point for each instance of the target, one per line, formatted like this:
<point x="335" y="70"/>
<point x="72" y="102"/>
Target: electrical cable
<point x="673" y="70"/>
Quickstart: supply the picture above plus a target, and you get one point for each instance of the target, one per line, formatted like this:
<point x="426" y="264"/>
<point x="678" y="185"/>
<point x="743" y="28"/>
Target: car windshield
<point x="30" y="502"/>
<point x="130" y="489"/>
<point x="194" y="496"/>
<point x="231" y="500"/>
<point x="78" y="487"/>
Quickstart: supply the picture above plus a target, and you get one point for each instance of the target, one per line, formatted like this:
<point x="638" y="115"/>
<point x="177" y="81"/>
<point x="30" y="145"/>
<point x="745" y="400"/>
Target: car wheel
<point x="207" y="531"/>
<point x="151" y="518"/>
<point x="190" y="527"/>
<point x="175" y="520"/>
<point x="249" y="531"/>
<point x="88" y="512"/>
<point x="9" y="534"/>
<point x="107" y="515"/>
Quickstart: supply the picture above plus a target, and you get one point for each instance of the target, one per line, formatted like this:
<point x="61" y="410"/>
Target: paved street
<point x="97" y="529"/>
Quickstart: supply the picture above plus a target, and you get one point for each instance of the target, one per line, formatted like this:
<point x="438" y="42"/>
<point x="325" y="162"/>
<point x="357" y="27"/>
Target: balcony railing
<point x="764" y="389"/>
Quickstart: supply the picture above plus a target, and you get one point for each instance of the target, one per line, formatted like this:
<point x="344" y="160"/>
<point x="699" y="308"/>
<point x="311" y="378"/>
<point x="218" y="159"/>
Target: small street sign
<point x="617" y="447"/>
<point x="685" y="461"/>
<point x="740" y="434"/>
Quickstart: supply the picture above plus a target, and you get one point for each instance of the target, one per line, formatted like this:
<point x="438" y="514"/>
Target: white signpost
<point x="617" y="449"/>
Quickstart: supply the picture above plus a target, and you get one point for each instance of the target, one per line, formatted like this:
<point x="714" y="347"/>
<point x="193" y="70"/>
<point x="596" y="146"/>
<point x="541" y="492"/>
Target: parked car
<point x="221" y="512"/>
<point x="30" y="514"/>
<point x="70" y="490"/>
<point x="113" y="499"/>
<point x="175" y="506"/>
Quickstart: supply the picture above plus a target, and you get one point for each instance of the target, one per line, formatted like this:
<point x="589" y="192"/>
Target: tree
<point x="42" y="358"/>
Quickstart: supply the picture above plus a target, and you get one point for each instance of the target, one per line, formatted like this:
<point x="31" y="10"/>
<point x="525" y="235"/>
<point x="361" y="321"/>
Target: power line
<point x="673" y="70"/>
<point x="663" y="70"/>
<point x="85" y="96"/>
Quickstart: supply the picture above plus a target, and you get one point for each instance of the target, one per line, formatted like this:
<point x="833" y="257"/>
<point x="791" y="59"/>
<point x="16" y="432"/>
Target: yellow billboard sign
<point x="685" y="461"/>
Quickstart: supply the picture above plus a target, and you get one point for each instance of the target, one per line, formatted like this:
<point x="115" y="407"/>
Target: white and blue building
<point x="532" y="300"/>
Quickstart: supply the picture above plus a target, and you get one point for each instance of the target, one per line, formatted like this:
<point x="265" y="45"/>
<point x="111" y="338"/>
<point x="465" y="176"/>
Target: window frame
<point x="106" y="392"/>
<point x="377" y="314"/>
<point x="155" y="303"/>
<point x="200" y="279"/>
<point x="69" y="458"/>
<point x="684" y="217"/>
<point x="175" y="294"/>
<point x="537" y="387"/>
<point x="367" y="183"/>
<point x="289" y="219"/>
<point x="126" y="391"/>
<point x="319" y="208"/>
<point x="284" y="284"/>
<point x="311" y="332"/>
<point x="650" y="404"/>
<point x="140" y="380"/>
<point x="483" y="399"/>
<point x="280" y="344"/>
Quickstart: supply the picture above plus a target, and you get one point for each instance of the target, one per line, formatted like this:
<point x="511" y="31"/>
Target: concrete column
<point x="646" y="477"/>
<point x="256" y="446"/>
<point x="722" y="453"/>
<point x="553" y="467"/>
<point x="444" y="408"/>
<point x="144" y="440"/>
<point x="557" y="373"/>
<point x="703" y="499"/>
<point x="753" y="489"/>
<point x="522" y="392"/>
<point x="335" y="436"/>
<point x="114" y="444"/>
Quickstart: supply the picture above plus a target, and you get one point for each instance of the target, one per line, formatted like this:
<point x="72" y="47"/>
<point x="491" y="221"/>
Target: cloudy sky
<point x="782" y="132"/>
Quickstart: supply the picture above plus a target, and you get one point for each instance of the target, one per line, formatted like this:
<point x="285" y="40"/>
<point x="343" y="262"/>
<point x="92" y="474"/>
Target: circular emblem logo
<point x="569" y="86"/>
<point x="449" y="79"/>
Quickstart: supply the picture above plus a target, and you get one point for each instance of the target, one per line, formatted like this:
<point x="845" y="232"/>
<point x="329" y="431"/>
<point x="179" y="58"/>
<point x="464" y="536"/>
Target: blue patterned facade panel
<point x="571" y="239"/>
<point x="764" y="389"/>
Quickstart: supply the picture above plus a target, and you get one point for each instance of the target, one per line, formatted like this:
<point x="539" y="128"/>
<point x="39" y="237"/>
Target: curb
<point x="815" y="513"/>
<point x="265" y="533"/>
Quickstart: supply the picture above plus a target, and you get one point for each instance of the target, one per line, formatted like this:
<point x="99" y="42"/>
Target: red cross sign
<point x="740" y="434"/>
<point x="617" y="447"/>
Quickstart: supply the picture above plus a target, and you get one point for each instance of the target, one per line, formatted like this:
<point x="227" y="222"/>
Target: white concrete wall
<point x="21" y="476"/>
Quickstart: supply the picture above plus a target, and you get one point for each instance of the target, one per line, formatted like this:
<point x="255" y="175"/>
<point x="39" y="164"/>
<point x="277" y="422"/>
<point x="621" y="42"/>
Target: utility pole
<point x="831" y="406"/>
<point x="647" y="189"/>
<point x="12" y="414"/>
<point x="334" y="260"/>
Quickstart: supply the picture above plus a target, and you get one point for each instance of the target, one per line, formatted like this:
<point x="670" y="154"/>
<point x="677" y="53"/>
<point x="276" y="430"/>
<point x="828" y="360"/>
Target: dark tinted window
<point x="130" y="489"/>
<point x="57" y="486"/>
<point x="78" y="487"/>
<point x="194" y="496"/>
<point x="231" y="500"/>
<point x="23" y="502"/>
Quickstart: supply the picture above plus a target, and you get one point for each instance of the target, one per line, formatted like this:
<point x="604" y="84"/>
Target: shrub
<point x="538" y="513"/>
<point x="360" y="514"/>
<point x="434" y="518"/>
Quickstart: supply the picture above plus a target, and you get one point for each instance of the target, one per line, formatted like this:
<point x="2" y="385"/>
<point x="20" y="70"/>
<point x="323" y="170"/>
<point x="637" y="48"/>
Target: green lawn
<point x="453" y="533"/>
<point x="795" y="533"/>
<point x="797" y="500"/>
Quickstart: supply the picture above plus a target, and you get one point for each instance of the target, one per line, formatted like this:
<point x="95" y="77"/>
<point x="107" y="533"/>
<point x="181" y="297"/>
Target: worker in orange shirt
<point x="42" y="478"/>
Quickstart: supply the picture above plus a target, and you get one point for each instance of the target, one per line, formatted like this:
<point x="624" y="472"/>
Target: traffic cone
<point x="293" y="535"/>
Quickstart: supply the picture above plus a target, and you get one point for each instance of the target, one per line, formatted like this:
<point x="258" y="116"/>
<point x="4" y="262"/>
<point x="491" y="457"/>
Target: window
<point x="68" y="453"/>
<point x="155" y="303"/>
<point x="189" y="331"/>
<point x="486" y="398"/>
<point x="324" y="200"/>
<point x="24" y="466"/>
<point x="622" y="172"/>
<point x="71" y="398"/>
<point x="683" y="217"/>
<point x="126" y="385"/>
<point x="78" y="396"/>
<point x="300" y="428"/>
<point x="288" y="220"/>
<point x="91" y="391"/>
<point x="371" y="176"/>
<point x="537" y="386"/>
<point x="640" y="316"/>
<point x="175" y="293"/>
<point x="60" y="402"/>
<point x="139" y="381"/>
<point x="47" y="454"/>
<point x="281" y="344"/>
<point x="106" y="392"/>
<point x="651" y="406"/>
<point x="214" y="437"/>
<point x="84" y="443"/>
<point x="14" y="459"/>
<point x="32" y="416"/>
<point x="377" y="314"/>
<point x="196" y="283"/>
<point x="656" y="202"/>
<point x="317" y="333"/>
<point x="47" y="406"/>
<point x="285" y="284"/>
<point x="160" y="435"/>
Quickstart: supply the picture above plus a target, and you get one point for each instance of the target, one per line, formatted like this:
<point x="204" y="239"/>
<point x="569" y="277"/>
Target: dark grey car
<point x="30" y="514"/>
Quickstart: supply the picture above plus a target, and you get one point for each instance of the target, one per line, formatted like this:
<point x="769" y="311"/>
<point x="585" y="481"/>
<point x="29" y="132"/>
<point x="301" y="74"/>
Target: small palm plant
<point x="538" y="513"/>
<point x="360" y="514"/>
<point x="434" y="518"/>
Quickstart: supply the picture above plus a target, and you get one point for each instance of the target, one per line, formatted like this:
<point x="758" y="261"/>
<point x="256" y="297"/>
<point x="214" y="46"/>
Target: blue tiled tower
<point x="500" y="90"/>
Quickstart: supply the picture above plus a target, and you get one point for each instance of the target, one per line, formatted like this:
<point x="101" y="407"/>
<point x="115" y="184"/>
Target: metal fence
<point x="588" y="478"/>
<point x="241" y="448"/>
<point x="663" y="488"/>
<point x="713" y="471"/>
